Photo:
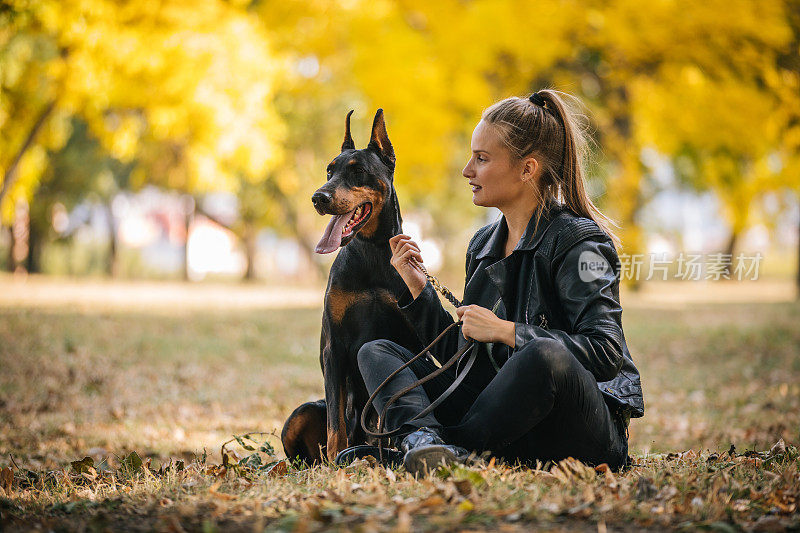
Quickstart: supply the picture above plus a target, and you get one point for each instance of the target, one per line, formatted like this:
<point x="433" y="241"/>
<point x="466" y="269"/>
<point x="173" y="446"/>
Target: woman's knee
<point x="376" y="352"/>
<point x="546" y="355"/>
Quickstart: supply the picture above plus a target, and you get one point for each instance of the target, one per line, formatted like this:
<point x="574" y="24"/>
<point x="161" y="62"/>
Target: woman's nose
<point x="466" y="171"/>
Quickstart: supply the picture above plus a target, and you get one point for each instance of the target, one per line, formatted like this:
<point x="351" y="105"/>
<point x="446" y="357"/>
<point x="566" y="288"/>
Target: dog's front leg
<point x="334" y="370"/>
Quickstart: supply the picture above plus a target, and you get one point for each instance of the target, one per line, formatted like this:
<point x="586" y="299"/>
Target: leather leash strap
<point x="469" y="346"/>
<point x="382" y="419"/>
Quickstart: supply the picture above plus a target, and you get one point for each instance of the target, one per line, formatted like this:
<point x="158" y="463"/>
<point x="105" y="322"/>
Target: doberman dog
<point x="361" y="296"/>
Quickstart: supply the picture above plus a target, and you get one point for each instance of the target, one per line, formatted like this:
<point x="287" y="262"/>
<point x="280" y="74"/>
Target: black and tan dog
<point x="361" y="298"/>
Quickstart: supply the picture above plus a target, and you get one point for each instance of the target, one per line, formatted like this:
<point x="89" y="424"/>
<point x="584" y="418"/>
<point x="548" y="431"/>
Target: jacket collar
<point x="495" y="244"/>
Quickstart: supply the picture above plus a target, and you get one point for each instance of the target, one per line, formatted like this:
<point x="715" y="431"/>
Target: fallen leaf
<point x="755" y="461"/>
<point x="83" y="465"/>
<point x="432" y="501"/>
<point x="463" y="486"/>
<point x="131" y="462"/>
<point x="466" y="506"/>
<point x="279" y="469"/>
<point x="779" y="448"/>
<point x="220" y="495"/>
<point x="6" y="479"/>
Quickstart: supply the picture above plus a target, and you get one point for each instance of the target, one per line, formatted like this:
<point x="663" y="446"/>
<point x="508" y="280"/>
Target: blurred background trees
<point x="231" y="110"/>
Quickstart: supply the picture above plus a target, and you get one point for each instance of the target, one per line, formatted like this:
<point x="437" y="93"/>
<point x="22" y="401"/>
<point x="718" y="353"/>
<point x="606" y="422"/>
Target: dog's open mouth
<point x="343" y="227"/>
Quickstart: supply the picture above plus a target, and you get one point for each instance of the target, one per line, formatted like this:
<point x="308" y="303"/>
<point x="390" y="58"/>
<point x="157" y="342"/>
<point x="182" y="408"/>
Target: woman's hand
<point x="403" y="250"/>
<point x="482" y="325"/>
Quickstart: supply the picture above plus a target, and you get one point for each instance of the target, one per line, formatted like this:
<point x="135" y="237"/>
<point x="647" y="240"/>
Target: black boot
<point x="425" y="450"/>
<point x="391" y="457"/>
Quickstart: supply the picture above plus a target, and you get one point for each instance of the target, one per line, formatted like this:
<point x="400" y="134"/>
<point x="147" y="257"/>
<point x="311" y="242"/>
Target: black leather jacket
<point x="561" y="282"/>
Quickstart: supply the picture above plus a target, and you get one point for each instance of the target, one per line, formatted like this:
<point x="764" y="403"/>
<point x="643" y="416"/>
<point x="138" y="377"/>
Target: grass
<point x="171" y="381"/>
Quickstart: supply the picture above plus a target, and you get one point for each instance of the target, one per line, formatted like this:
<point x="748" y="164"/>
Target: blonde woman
<point x="554" y="377"/>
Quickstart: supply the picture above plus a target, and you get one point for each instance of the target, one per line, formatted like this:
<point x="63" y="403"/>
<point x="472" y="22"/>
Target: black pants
<point x="541" y="405"/>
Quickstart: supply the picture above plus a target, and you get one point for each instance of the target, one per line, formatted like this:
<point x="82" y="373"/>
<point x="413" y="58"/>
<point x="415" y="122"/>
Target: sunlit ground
<point x="170" y="369"/>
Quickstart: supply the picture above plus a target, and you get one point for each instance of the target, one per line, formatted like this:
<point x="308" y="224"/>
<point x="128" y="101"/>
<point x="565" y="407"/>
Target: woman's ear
<point x="530" y="168"/>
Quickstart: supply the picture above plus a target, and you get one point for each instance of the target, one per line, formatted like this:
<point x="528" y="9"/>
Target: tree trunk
<point x="249" y="240"/>
<point x="11" y="243"/>
<point x="189" y="206"/>
<point x="112" y="259"/>
<point x="798" y="259"/>
<point x="20" y="228"/>
<point x="33" y="262"/>
<point x="728" y="259"/>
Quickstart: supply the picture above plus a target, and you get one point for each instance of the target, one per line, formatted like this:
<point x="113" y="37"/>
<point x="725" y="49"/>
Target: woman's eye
<point x="481" y="159"/>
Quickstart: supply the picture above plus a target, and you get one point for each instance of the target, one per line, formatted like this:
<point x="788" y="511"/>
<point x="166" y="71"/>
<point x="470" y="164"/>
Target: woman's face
<point x="496" y="180"/>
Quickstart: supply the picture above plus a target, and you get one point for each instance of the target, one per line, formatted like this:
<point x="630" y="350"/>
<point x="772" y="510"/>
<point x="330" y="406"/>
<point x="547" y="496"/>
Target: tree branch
<point x="291" y="215"/>
<point x="213" y="218"/>
<point x="10" y="175"/>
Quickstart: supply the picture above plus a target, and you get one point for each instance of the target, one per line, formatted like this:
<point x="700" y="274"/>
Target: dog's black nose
<point x="321" y="199"/>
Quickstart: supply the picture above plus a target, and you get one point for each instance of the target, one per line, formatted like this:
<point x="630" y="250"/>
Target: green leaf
<point x="460" y="473"/>
<point x="83" y="465"/>
<point x="132" y="462"/>
<point x="243" y="444"/>
<point x="251" y="461"/>
<point x="267" y="448"/>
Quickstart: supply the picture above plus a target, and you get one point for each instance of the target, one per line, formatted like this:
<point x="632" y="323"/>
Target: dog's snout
<point x="321" y="199"/>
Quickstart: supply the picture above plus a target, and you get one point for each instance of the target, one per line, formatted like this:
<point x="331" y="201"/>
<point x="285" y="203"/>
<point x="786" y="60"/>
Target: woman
<point x="553" y="377"/>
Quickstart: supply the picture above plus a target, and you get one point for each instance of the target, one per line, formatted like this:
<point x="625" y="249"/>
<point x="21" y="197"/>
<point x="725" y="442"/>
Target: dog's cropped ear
<point x="379" y="141"/>
<point x="348" y="143"/>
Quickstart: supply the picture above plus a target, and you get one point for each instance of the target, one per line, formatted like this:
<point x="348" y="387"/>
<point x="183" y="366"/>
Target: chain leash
<point x="444" y="291"/>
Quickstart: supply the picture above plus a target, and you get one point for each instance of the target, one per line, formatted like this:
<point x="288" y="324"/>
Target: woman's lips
<point x="475" y="187"/>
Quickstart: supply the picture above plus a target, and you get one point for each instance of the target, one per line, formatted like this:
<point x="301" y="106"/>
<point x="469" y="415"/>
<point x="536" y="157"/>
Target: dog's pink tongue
<point x="332" y="238"/>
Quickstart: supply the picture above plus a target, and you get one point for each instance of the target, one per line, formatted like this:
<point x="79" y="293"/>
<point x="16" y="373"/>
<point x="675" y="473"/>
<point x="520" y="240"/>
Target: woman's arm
<point x="419" y="303"/>
<point x="593" y="312"/>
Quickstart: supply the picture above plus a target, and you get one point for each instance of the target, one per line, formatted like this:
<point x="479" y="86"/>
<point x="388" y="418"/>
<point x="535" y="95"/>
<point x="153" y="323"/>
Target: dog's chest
<point x="343" y="302"/>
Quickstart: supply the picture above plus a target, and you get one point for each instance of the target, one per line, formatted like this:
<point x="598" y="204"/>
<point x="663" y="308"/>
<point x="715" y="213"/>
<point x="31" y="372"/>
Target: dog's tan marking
<point x="387" y="297"/>
<point x="376" y="198"/>
<point x="348" y="198"/>
<point x="351" y="162"/>
<point x="337" y="439"/>
<point x="339" y="301"/>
